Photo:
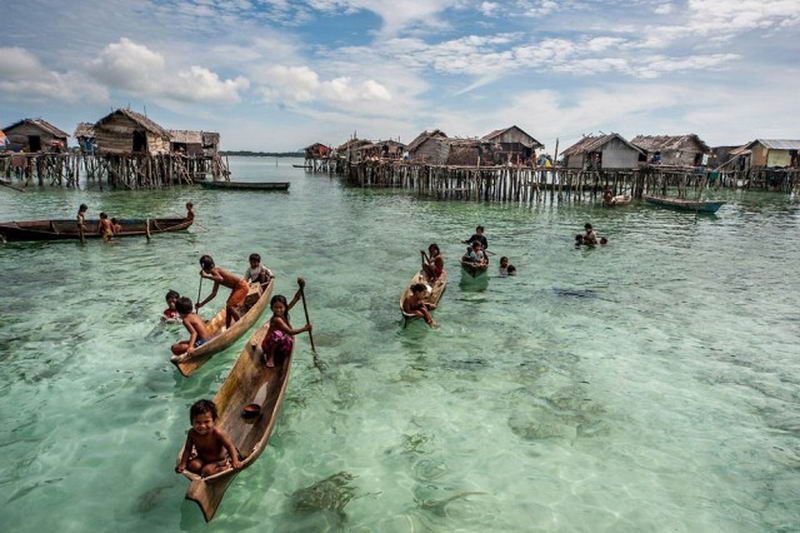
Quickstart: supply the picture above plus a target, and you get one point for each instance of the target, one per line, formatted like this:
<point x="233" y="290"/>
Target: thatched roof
<point x="352" y="144"/>
<point x="84" y="129"/>
<point x="530" y="141"/>
<point x="186" y="136"/>
<point x="424" y="136"/>
<point x="42" y="124"/>
<point x="664" y="143"/>
<point x="210" y="138"/>
<point x="140" y="119"/>
<point x="592" y="143"/>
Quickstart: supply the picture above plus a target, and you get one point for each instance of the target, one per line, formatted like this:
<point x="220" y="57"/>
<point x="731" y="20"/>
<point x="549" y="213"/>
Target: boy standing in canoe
<point x="238" y="286"/>
<point x="479" y="237"/>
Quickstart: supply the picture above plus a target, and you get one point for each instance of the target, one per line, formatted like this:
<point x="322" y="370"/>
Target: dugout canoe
<point x="67" y="230"/>
<point x="301" y="166"/>
<point x="220" y="339"/>
<point x="246" y="186"/>
<point x="434" y="292"/>
<point x="250" y="381"/>
<point x="684" y="205"/>
<point x="473" y="271"/>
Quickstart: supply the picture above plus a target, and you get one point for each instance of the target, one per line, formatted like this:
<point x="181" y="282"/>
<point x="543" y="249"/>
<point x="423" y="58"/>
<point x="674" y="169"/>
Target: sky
<point x="282" y="74"/>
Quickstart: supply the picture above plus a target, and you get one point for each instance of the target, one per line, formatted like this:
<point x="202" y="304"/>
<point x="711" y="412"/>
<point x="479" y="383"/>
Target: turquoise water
<point x="651" y="385"/>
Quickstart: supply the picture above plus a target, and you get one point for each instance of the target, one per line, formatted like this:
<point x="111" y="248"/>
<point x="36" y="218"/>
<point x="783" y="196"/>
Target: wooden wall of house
<point x="18" y="136"/>
<point x="574" y="161"/>
<point x="759" y="157"/>
<point x="157" y="144"/>
<point x="433" y="151"/>
<point x="513" y="136"/>
<point x="617" y="154"/>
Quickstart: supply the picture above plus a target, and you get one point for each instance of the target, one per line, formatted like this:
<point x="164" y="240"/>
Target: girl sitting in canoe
<point x="209" y="443"/>
<point x="433" y="262"/>
<point x="280" y="339"/>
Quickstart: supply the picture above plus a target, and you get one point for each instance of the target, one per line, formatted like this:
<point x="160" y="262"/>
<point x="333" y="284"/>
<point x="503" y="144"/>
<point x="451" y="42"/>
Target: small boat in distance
<point x="221" y="338"/>
<point x="67" y="230"/>
<point x="434" y="292"/>
<point x="250" y="384"/>
<point x="301" y="166"/>
<point x="246" y="186"/>
<point x="684" y="205"/>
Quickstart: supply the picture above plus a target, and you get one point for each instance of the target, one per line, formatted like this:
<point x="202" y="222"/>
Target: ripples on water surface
<point x="650" y="385"/>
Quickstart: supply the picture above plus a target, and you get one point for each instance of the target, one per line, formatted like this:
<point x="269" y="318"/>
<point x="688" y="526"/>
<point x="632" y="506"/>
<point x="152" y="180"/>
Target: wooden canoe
<point x="618" y="201"/>
<point x="246" y="186"/>
<point x="301" y="166"/>
<point x="220" y="339"/>
<point x="434" y="293"/>
<point x="684" y="205"/>
<point x="250" y="381"/>
<point x="470" y="269"/>
<point x="62" y="230"/>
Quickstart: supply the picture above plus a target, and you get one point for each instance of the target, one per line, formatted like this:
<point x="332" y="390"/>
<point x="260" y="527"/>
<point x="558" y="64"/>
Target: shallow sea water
<point x="651" y="385"/>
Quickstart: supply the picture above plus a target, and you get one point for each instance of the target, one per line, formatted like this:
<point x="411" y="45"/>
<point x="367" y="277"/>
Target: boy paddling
<point x="238" y="286"/>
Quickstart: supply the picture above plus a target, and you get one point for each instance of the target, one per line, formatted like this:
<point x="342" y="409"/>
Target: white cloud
<point x="287" y="84"/>
<point x="23" y="76"/>
<point x="135" y="68"/>
<point x="664" y="9"/>
<point x="489" y="8"/>
<point x="396" y="16"/>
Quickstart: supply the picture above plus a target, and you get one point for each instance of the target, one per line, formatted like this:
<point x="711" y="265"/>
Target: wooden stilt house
<point x="125" y="132"/>
<point x="35" y="135"/>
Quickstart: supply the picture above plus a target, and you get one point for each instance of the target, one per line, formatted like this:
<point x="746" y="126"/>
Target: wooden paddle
<point x="317" y="363"/>
<point x="199" y="289"/>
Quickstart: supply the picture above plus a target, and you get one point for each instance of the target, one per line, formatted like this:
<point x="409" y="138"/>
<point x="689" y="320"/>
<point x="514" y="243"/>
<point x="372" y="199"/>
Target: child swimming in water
<point x="589" y="237"/>
<point x="198" y="332"/>
<point x="208" y="442"/>
<point x="280" y="339"/>
<point x="116" y="226"/>
<point x="171" y="313"/>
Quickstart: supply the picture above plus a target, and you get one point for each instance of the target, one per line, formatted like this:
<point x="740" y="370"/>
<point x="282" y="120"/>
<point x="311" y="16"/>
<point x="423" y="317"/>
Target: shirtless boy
<point x="209" y="441"/>
<point x="238" y="286"/>
<point x="198" y="332"/>
<point x="415" y="304"/>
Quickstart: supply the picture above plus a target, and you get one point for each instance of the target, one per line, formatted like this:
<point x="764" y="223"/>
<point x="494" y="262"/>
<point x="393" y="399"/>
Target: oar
<point x="317" y="363"/>
<point x="199" y="289"/>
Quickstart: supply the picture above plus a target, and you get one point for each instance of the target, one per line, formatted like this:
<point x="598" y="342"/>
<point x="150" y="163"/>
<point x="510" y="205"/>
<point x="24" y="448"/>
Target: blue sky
<point x="279" y="74"/>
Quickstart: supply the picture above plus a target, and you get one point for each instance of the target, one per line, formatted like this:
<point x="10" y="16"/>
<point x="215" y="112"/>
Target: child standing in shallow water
<point x="208" y="441"/>
<point x="280" y="339"/>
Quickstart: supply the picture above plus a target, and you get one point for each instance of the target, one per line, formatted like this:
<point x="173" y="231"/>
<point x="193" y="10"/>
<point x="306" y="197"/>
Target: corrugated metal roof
<point x="779" y="144"/>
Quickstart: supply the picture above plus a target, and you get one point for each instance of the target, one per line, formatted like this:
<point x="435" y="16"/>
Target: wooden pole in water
<point x="147" y="229"/>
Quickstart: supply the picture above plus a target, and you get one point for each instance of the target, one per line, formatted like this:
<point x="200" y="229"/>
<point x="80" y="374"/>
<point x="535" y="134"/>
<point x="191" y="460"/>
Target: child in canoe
<point x="209" y="443"/>
<point x="238" y="286"/>
<point x="116" y="226"/>
<point x="280" y="339"/>
<point x="257" y="273"/>
<point x="433" y="262"/>
<point x="476" y="255"/>
<point x="81" y="218"/>
<point x="105" y="228"/>
<point x="198" y="333"/>
<point x="171" y="313"/>
<point x="415" y="304"/>
<point x="189" y="211"/>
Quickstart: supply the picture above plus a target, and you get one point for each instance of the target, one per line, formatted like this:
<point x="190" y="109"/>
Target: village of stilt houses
<point x="127" y="149"/>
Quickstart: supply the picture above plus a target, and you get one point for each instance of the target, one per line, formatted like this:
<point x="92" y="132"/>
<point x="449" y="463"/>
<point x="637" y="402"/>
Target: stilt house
<point x="678" y="150"/>
<point x="514" y="145"/>
<point x="595" y="152"/>
<point x="125" y="132"/>
<point x="383" y="150"/>
<point x="474" y="152"/>
<point x="769" y="153"/>
<point x="317" y="151"/>
<point x="431" y="147"/>
<point x="186" y="142"/>
<point x="84" y="134"/>
<point x="349" y="150"/>
<point x="36" y="135"/>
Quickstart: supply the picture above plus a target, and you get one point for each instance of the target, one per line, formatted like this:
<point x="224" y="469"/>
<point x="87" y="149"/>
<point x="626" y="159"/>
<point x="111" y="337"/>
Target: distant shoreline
<point x="248" y="153"/>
